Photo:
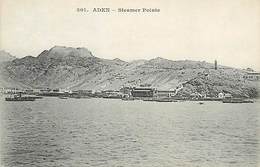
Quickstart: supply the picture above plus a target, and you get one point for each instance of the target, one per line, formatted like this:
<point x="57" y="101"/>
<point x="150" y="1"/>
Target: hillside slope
<point x="78" y="68"/>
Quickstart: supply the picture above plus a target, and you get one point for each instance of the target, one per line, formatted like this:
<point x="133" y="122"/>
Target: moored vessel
<point x="19" y="97"/>
<point x="164" y="100"/>
<point x="237" y="100"/>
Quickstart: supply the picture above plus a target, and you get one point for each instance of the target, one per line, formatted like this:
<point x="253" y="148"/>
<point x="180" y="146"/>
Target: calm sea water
<point x="54" y="132"/>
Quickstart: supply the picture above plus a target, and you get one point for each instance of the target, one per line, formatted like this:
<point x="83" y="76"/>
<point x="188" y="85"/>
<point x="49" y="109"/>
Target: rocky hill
<point x="78" y="68"/>
<point x="5" y="56"/>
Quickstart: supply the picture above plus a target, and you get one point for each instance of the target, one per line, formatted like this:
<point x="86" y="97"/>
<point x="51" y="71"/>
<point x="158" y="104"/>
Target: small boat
<point x="164" y="100"/>
<point x="237" y="100"/>
<point x="148" y="99"/>
<point x="63" y="97"/>
<point x="201" y="103"/>
<point x="128" y="98"/>
<point x="113" y="96"/>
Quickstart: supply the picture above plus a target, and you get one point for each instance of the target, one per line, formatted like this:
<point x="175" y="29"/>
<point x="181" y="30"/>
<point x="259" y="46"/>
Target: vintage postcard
<point x="128" y="83"/>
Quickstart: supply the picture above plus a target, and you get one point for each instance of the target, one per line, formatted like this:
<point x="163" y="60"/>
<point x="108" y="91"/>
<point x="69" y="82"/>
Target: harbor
<point x="143" y="93"/>
<point x="95" y="130"/>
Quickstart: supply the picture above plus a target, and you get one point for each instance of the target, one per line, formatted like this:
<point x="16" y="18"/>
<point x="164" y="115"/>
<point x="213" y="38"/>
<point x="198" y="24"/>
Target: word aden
<point x="124" y="10"/>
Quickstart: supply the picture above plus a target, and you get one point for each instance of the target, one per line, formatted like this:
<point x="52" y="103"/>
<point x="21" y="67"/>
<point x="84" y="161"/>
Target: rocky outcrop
<point x="216" y="81"/>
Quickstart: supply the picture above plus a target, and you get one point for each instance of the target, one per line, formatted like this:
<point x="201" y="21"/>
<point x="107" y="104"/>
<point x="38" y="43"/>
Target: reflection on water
<point x="103" y="132"/>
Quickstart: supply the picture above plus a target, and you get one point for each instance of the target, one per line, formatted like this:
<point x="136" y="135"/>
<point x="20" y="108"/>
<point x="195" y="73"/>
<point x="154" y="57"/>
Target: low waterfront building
<point x="143" y="92"/>
<point x="222" y="95"/>
<point x="11" y="90"/>
<point x="165" y="93"/>
<point x="36" y="91"/>
<point x="227" y="96"/>
<point x="56" y="90"/>
<point x="126" y="90"/>
<point x="46" y="90"/>
<point x="98" y="94"/>
<point x="109" y="91"/>
<point x="75" y="92"/>
<point x="252" y="75"/>
<point x="111" y="94"/>
<point x="28" y="91"/>
<point x="84" y="92"/>
<point x="66" y="91"/>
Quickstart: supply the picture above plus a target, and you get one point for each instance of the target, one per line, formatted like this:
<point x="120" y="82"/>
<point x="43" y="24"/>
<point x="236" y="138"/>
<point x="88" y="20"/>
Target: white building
<point x="224" y="95"/>
<point x="252" y="76"/>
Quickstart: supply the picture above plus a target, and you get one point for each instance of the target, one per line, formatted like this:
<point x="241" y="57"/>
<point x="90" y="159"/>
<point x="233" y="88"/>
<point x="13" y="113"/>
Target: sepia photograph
<point x="128" y="83"/>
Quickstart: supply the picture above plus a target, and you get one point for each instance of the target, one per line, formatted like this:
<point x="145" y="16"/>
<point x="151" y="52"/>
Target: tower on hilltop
<point x="216" y="65"/>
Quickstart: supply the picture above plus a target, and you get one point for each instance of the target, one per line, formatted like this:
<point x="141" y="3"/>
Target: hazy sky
<point x="226" y="30"/>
